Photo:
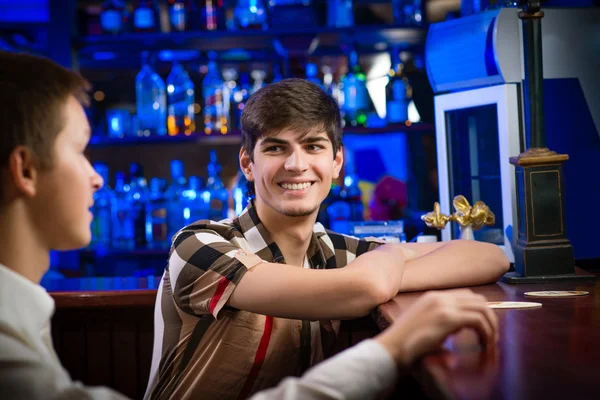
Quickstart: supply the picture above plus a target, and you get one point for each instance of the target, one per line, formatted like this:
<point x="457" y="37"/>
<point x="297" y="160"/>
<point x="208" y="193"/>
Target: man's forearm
<point x="456" y="263"/>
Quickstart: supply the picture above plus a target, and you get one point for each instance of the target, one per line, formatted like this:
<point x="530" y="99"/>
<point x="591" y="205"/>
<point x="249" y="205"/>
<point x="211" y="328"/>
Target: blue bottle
<point x="397" y="91"/>
<point x="195" y="204"/>
<point x="218" y="193"/>
<point x="250" y="14"/>
<point x="104" y="206"/>
<point x="311" y="75"/>
<point x="175" y="208"/>
<point x="259" y="79"/>
<point x="240" y="195"/>
<point x="151" y="100"/>
<point x="139" y="195"/>
<point x="230" y="88"/>
<point x="180" y="95"/>
<point x="156" y="216"/>
<point x="212" y="90"/>
<point x="112" y="16"/>
<point x="356" y="97"/>
<point x="122" y="226"/>
<point x="340" y="13"/>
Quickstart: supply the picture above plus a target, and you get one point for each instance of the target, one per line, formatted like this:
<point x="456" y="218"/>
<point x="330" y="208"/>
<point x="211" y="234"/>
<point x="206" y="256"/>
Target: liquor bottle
<point x="178" y="15"/>
<point x="356" y="97"/>
<point x="156" y="216"/>
<point x="239" y="195"/>
<point x="311" y="75"/>
<point x="145" y="16"/>
<point x="180" y="94"/>
<point x="122" y="226"/>
<point x="296" y="13"/>
<point x="230" y="76"/>
<point x="139" y="198"/>
<point x="239" y="99"/>
<point x="112" y="16"/>
<point x="175" y="217"/>
<point x="250" y="14"/>
<point x="331" y="86"/>
<point x="218" y="193"/>
<point x="340" y="13"/>
<point x="397" y="91"/>
<point x="103" y="209"/>
<point x="195" y="201"/>
<point x="213" y="15"/>
<point x="212" y="90"/>
<point x="408" y="12"/>
<point x="258" y="75"/>
<point x="151" y="100"/>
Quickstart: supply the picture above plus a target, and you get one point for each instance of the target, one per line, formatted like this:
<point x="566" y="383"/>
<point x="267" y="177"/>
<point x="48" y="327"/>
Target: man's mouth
<point x="296" y="186"/>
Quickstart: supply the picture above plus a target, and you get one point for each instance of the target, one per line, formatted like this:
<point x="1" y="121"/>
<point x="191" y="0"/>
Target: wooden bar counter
<point x="552" y="352"/>
<point x="103" y="330"/>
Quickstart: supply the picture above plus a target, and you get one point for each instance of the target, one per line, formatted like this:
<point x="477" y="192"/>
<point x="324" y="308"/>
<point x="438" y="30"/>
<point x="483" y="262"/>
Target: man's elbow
<point x="498" y="262"/>
<point x="380" y="291"/>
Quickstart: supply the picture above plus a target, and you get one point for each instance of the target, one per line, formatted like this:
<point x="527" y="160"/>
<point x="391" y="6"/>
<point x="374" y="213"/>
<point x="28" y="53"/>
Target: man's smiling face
<point x="292" y="173"/>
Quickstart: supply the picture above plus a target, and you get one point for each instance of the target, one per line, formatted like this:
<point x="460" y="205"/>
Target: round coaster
<point x="557" y="293"/>
<point x="513" y="304"/>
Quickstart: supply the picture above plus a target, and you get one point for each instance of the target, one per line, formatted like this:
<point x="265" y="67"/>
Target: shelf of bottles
<point x="143" y="216"/>
<point x="169" y="110"/>
<point x="224" y="24"/>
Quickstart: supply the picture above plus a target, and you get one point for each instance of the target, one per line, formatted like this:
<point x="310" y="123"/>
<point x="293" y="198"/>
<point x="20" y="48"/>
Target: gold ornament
<point x="474" y="217"/>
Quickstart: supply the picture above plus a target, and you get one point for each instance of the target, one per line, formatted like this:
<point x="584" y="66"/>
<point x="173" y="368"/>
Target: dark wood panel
<point x="110" y="346"/>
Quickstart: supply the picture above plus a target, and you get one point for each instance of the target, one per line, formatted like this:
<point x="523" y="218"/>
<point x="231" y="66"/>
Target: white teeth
<point x="295" y="186"/>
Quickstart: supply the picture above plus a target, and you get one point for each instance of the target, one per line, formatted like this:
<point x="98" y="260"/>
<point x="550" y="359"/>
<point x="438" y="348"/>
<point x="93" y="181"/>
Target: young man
<point x="245" y="303"/>
<point x="46" y="190"/>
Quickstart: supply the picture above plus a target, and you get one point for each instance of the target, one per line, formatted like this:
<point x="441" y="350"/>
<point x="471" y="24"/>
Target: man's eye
<point x="314" y="147"/>
<point x="273" y="148"/>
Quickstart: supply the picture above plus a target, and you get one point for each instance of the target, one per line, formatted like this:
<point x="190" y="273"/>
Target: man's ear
<point x="246" y="164"/>
<point x="23" y="170"/>
<point x="338" y="162"/>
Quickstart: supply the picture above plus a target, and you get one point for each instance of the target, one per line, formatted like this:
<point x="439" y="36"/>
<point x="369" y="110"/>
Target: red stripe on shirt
<point x="218" y="293"/>
<point x="258" y="359"/>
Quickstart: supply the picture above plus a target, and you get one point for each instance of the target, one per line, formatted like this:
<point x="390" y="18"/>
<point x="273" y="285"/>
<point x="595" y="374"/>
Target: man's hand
<point x="424" y="326"/>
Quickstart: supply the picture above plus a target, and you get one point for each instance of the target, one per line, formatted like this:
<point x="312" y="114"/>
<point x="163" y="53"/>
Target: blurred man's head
<point x="46" y="178"/>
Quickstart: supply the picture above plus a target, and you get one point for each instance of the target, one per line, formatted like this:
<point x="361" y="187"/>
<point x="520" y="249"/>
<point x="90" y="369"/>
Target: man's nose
<point x="296" y="161"/>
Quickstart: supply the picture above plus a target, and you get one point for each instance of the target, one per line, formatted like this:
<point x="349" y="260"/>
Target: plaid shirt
<point x="204" y="349"/>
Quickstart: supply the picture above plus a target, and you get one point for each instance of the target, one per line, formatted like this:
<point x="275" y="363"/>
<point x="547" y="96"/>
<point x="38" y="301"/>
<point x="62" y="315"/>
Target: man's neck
<point x="292" y="234"/>
<point x="20" y="249"/>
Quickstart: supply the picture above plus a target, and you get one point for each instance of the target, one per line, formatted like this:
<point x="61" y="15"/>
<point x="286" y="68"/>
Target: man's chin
<point x="299" y="212"/>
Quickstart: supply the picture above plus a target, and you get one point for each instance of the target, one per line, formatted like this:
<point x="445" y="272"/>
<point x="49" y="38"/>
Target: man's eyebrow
<point x="272" y="140"/>
<point x="314" y="139"/>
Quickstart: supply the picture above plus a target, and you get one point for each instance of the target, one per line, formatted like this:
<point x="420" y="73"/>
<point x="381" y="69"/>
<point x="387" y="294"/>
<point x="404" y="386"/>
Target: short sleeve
<point x="345" y="248"/>
<point x="204" y="268"/>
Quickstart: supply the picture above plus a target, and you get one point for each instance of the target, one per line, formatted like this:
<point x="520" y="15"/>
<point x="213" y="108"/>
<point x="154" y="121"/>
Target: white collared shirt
<point x="29" y="367"/>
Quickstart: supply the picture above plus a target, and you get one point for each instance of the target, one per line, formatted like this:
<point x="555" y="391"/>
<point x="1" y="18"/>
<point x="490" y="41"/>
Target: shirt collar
<point x="25" y="306"/>
<point x="264" y="246"/>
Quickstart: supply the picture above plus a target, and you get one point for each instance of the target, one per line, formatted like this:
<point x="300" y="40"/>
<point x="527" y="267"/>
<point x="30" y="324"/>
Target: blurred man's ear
<point x="246" y="164"/>
<point x="23" y="171"/>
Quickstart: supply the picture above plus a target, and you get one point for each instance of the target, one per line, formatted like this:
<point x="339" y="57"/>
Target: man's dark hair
<point x="33" y="93"/>
<point x="295" y="104"/>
